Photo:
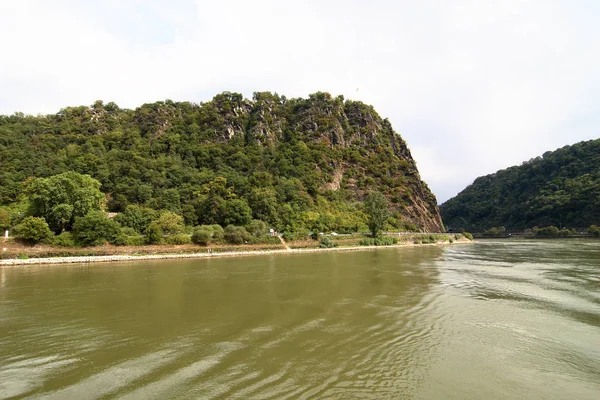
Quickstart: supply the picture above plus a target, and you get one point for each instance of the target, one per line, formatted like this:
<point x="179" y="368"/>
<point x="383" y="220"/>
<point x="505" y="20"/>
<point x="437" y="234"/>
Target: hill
<point x="560" y="188"/>
<point x="294" y="163"/>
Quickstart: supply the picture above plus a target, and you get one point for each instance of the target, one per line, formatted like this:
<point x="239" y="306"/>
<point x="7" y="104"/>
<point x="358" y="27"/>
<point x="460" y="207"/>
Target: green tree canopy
<point x="34" y="230"/>
<point x="376" y="208"/>
<point x="61" y="198"/>
<point x="96" y="229"/>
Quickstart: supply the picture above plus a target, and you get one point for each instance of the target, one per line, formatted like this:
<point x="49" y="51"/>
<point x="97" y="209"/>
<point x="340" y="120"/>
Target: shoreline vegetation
<point x="19" y="255"/>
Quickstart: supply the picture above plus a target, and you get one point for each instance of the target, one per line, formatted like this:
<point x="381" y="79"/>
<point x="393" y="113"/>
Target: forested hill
<point x="294" y="163"/>
<point x="561" y="188"/>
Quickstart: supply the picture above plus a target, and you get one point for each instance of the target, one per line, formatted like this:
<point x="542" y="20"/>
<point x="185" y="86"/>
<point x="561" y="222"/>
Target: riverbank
<point x="205" y="254"/>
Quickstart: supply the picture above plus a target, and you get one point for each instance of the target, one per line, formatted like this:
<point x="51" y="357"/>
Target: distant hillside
<point x="296" y="163"/>
<point x="561" y="188"/>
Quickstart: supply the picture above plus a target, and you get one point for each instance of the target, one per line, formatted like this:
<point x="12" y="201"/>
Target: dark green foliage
<point x="561" y="188"/>
<point x="383" y="241"/>
<point x="376" y="208"/>
<point x="96" y="229"/>
<point x="236" y="235"/>
<point x="594" y="230"/>
<point x="327" y="244"/>
<point x="135" y="240"/>
<point x="202" y="235"/>
<point x="169" y="223"/>
<point x="64" y="197"/>
<point x="180" y="238"/>
<point x="154" y="234"/>
<point x="136" y="217"/>
<point x="4" y="219"/>
<point x="467" y="235"/>
<point x="495" y="231"/>
<point x="296" y="164"/>
<point x="257" y="228"/>
<point x="552" y="231"/>
<point x="65" y="239"/>
<point x="34" y="230"/>
<point x="217" y="232"/>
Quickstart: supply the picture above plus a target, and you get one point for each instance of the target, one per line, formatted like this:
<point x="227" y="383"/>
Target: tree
<point x="236" y="234"/>
<point x="376" y="208"/>
<point x="236" y="212"/>
<point x="4" y="219"/>
<point x="136" y="217"/>
<point x="96" y="229"/>
<point x="34" y="230"/>
<point x="257" y="228"/>
<point x="170" y="223"/>
<point x="61" y="198"/>
<point x="594" y="230"/>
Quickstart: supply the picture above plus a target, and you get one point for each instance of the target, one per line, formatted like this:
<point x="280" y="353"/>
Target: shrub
<point x="546" y="231"/>
<point x="202" y="235"/>
<point x="95" y="229"/>
<point x="34" y="230"/>
<point x="154" y="234"/>
<point x="467" y="235"/>
<point x="135" y="240"/>
<point x="217" y="231"/>
<point x="327" y="244"/>
<point x="180" y="238"/>
<point x="65" y="239"/>
<point x="236" y="234"/>
<point x="594" y="230"/>
<point x="170" y="223"/>
<point x="257" y="228"/>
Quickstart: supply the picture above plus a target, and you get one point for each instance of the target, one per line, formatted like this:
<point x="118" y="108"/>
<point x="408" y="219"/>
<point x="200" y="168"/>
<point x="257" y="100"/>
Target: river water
<point x="491" y="320"/>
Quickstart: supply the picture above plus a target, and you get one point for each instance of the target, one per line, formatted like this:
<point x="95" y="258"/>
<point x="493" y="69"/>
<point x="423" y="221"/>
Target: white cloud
<point x="472" y="86"/>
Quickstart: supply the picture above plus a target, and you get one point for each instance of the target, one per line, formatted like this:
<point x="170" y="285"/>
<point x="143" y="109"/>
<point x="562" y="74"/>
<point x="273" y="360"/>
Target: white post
<point x="6" y="234"/>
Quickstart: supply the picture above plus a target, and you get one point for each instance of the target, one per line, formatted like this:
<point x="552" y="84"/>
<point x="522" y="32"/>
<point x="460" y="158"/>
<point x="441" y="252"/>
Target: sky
<point x="473" y="86"/>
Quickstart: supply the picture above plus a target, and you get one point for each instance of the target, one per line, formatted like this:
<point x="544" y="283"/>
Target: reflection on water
<point x="498" y="319"/>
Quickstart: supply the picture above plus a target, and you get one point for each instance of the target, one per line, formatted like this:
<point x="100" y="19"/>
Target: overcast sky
<point x="472" y="85"/>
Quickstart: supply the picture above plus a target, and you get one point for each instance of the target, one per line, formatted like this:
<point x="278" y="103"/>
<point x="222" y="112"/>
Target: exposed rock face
<point x="346" y="126"/>
<point x="288" y="160"/>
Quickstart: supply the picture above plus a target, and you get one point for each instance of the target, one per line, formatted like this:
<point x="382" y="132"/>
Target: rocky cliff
<point x="296" y="162"/>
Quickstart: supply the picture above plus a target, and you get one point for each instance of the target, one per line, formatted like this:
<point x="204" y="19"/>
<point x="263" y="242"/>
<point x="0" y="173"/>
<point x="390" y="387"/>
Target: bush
<point x="236" y="234"/>
<point x="65" y="239"/>
<point x="467" y="235"/>
<point x="95" y="229"/>
<point x="327" y="244"/>
<point x="202" y="235"/>
<point x="136" y="218"/>
<point x="170" y="223"/>
<point x="180" y="238"/>
<point x="154" y="234"/>
<point x="257" y="228"/>
<point x="135" y="240"/>
<point x="546" y="231"/>
<point x="594" y="230"/>
<point x="382" y="241"/>
<point x="34" y="230"/>
<point x="217" y="231"/>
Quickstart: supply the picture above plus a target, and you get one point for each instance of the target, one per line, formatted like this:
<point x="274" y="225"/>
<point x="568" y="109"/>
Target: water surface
<point x="493" y="320"/>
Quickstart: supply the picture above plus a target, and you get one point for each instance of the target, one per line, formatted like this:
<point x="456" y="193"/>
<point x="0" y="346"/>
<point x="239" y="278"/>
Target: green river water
<point x="492" y="320"/>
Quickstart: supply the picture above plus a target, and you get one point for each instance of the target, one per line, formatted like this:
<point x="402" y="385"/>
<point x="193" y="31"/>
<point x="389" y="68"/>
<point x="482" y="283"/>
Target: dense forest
<point x="560" y="188"/>
<point x="295" y="164"/>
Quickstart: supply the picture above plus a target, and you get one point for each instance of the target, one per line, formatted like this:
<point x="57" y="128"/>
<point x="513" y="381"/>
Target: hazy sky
<point x="471" y="85"/>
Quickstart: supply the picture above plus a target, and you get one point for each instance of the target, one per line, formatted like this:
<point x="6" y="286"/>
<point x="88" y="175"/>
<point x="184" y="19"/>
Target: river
<point x="492" y="320"/>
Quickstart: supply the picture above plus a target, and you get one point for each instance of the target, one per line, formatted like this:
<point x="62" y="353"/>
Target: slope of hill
<point x="296" y="163"/>
<point x="560" y="188"/>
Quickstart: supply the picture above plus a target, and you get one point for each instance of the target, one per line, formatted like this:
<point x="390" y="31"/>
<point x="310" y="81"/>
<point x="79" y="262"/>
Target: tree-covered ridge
<point x="560" y="188"/>
<point x="294" y="163"/>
